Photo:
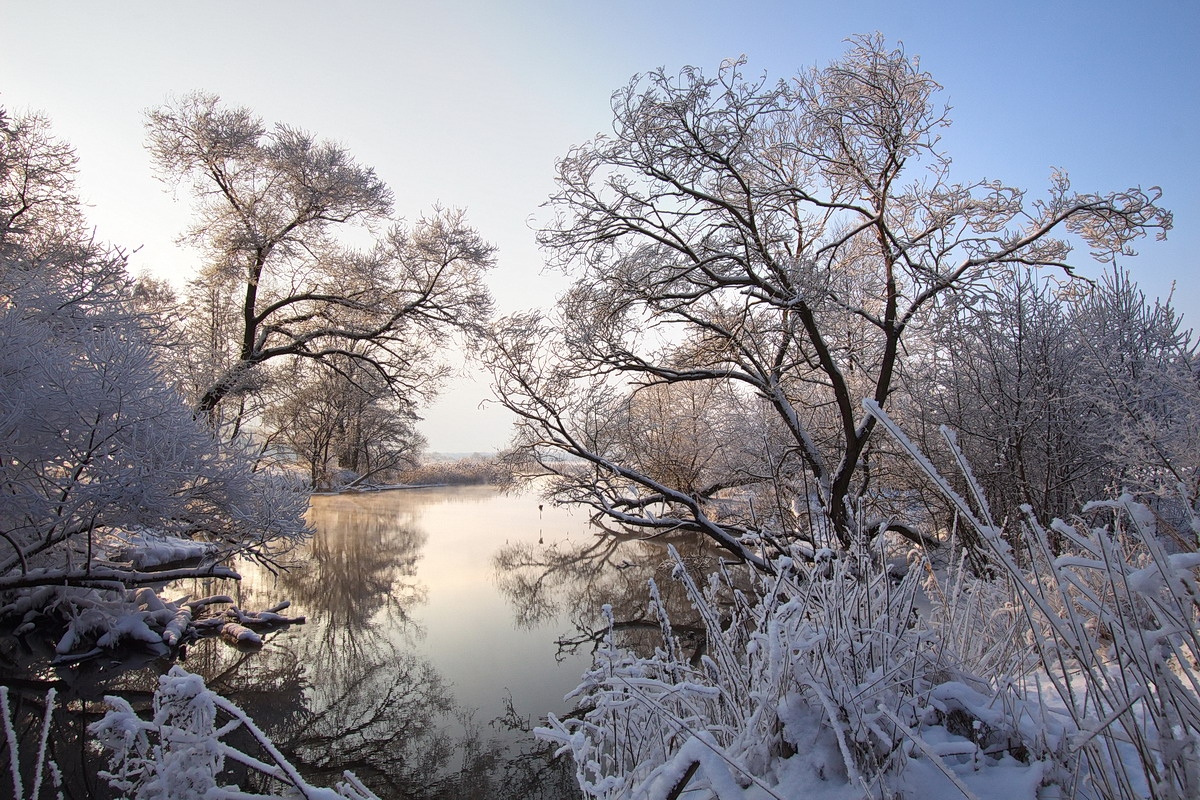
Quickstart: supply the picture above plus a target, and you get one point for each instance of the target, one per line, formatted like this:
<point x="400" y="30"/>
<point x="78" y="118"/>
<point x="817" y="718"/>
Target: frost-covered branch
<point x="789" y="247"/>
<point x="181" y="752"/>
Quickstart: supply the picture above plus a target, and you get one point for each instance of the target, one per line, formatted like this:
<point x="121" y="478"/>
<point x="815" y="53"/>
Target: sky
<point x="469" y="103"/>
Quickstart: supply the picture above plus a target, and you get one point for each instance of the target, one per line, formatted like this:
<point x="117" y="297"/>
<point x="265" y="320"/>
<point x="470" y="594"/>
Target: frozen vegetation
<point x="460" y="471"/>
<point x="109" y="483"/>
<point x="179" y="752"/>
<point x="781" y="295"/>
<point x="978" y="582"/>
<point x="1068" y="670"/>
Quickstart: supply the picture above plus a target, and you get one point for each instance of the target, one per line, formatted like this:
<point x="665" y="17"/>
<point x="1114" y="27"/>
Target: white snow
<point x="144" y="549"/>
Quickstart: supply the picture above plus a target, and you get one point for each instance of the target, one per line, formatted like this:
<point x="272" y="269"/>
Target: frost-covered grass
<point x="44" y="769"/>
<point x="180" y="752"/>
<point x="1059" y="661"/>
<point x="1067" y="669"/>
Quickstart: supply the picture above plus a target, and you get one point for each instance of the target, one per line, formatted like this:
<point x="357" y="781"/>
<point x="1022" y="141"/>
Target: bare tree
<point x="279" y="282"/>
<point x="783" y="238"/>
<point x="345" y="419"/>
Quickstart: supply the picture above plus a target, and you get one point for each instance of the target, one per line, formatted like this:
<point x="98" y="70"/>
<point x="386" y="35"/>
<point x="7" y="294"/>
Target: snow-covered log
<point x="240" y="635"/>
<point x="105" y="578"/>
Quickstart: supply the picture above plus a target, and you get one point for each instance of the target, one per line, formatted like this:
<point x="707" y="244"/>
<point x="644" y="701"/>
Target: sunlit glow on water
<point x="428" y="611"/>
<point x="431" y="552"/>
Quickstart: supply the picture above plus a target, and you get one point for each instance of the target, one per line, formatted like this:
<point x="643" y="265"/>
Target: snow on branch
<point x="182" y="750"/>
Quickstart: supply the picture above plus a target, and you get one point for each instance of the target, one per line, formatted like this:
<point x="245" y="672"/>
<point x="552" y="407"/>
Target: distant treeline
<point x="473" y="469"/>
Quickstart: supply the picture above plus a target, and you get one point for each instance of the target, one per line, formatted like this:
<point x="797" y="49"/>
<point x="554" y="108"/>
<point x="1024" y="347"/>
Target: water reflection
<point x="358" y="686"/>
<point x="540" y="580"/>
<point x="358" y="583"/>
<point x="370" y="701"/>
<point x="385" y="719"/>
<point x="361" y="568"/>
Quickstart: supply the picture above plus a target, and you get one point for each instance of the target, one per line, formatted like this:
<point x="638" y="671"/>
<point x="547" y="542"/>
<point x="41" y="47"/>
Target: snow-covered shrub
<point x="1113" y="617"/>
<point x="181" y="752"/>
<point x="93" y="438"/>
<point x="92" y="434"/>
<point x="827" y="674"/>
<point x="1068" y="669"/>
<point x="95" y="443"/>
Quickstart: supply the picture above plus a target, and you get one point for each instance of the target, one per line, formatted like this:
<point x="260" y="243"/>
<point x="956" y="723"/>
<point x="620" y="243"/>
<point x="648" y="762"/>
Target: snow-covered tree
<point x="1005" y="371"/>
<point x="1064" y="393"/>
<point x="788" y="239"/>
<point x="1144" y="378"/>
<point x="92" y="439"/>
<point x="344" y="419"/>
<point x="38" y="207"/>
<point x="279" y="281"/>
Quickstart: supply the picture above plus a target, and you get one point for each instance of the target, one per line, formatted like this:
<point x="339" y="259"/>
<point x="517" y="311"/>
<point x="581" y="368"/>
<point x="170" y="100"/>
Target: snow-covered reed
<point x="1067" y="668"/>
<point x="1112" y="616"/>
<point x="824" y="674"/>
<point x="181" y="752"/>
<point x="43" y="767"/>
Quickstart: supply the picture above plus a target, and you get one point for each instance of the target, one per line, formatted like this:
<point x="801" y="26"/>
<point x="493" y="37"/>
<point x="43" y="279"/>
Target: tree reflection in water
<point x="541" y="580"/>
<point x="368" y="704"/>
<point x="358" y="582"/>
<point x="345" y="690"/>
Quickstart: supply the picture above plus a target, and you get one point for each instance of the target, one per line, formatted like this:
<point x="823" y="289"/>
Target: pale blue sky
<point x="469" y="103"/>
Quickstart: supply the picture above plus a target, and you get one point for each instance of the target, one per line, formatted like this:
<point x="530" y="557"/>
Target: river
<point x="430" y="645"/>
<point x="420" y="665"/>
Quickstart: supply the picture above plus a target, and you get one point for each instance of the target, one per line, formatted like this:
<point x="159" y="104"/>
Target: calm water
<point x="436" y="623"/>
<point x="416" y="641"/>
<point x="415" y="569"/>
